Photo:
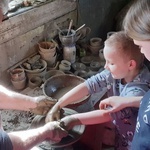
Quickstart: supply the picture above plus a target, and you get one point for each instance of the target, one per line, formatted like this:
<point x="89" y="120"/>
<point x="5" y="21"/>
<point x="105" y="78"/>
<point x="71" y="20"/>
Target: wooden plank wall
<point x="20" y="34"/>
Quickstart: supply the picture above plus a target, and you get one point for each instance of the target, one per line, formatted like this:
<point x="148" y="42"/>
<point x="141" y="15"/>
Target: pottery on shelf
<point x="17" y="74"/>
<point x="38" y="68"/>
<point x="78" y="66"/>
<point x="96" y="41"/>
<point x="95" y="45"/>
<point x="35" y="82"/>
<point x="67" y="40"/>
<point x="47" y="47"/>
<point x="47" y="51"/>
<point x="20" y="84"/>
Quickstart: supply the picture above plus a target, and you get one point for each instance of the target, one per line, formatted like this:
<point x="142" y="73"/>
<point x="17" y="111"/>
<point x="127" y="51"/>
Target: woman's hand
<point x="114" y="103"/>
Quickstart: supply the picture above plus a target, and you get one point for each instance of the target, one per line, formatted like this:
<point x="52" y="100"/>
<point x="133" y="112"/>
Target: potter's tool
<point x="80" y="27"/>
<point x="70" y="24"/>
<point x="58" y="28"/>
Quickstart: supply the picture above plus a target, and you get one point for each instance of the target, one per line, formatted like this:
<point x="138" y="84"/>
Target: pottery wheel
<point x="76" y="132"/>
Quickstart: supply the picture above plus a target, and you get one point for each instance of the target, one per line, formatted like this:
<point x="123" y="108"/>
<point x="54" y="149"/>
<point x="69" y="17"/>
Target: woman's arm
<point x="116" y="103"/>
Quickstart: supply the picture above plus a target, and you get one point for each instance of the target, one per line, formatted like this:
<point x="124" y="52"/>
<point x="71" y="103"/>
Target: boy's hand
<point x="69" y="122"/>
<point x="44" y="104"/>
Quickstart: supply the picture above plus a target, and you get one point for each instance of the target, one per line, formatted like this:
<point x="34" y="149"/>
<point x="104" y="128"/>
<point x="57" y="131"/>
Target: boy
<point x="124" y="76"/>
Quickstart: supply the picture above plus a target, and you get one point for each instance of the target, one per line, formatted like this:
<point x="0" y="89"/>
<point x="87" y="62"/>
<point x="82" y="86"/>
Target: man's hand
<point x="54" y="131"/>
<point x="44" y="104"/>
<point x="53" y="114"/>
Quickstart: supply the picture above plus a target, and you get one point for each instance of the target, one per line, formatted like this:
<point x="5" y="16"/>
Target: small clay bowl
<point x="95" y="49"/>
<point x="20" y="84"/>
<point x="86" y="60"/>
<point x="35" y="82"/>
<point x="78" y="66"/>
<point x="95" y="65"/>
<point x="96" y="41"/>
<point x="17" y="74"/>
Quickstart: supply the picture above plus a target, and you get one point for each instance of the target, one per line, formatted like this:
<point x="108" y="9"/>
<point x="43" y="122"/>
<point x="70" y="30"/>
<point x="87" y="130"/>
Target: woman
<point x="137" y="26"/>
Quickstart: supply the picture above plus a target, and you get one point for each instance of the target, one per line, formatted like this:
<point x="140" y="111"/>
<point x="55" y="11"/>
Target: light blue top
<point x="125" y="120"/>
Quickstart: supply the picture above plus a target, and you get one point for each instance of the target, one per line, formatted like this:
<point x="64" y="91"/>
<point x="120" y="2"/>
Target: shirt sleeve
<point x="97" y="82"/>
<point x="5" y="142"/>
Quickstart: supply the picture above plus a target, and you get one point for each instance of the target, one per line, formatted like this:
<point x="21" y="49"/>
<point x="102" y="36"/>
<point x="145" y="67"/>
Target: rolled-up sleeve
<point x="97" y="82"/>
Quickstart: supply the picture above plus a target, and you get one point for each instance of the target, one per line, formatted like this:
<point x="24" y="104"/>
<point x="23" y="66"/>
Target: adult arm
<point x="116" y="103"/>
<point x="17" y="101"/>
<point x="25" y="140"/>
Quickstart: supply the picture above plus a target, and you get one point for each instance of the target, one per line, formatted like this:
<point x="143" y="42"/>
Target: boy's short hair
<point x="137" y="20"/>
<point x="126" y="46"/>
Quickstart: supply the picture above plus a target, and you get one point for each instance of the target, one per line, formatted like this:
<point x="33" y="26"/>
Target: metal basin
<point x="59" y="85"/>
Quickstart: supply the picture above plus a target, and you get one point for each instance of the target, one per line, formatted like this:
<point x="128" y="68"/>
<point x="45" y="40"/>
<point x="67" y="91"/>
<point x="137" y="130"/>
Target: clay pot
<point x="47" y="47"/>
<point x="17" y="74"/>
<point x="95" y="65"/>
<point x="86" y="60"/>
<point x="47" y="50"/>
<point x="96" y="41"/>
<point x="50" y="58"/>
<point x="78" y="66"/>
<point x="39" y="74"/>
<point x="20" y="84"/>
<point x="65" y="65"/>
<point x="35" y="82"/>
<point x="95" y="49"/>
<point x="44" y="66"/>
<point x="36" y="72"/>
